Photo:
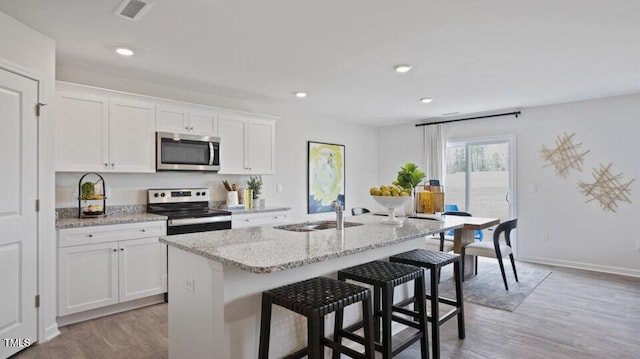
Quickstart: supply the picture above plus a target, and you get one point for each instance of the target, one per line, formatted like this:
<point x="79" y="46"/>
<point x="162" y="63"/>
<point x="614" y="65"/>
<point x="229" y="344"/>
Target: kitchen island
<point x="216" y="279"/>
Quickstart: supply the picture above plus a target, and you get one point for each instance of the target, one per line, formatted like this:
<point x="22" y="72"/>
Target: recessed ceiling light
<point x="426" y="100"/>
<point x="403" y="68"/>
<point x="301" y="94"/>
<point x="124" y="51"/>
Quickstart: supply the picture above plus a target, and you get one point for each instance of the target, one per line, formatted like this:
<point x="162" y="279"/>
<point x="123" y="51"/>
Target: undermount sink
<point x="314" y="226"/>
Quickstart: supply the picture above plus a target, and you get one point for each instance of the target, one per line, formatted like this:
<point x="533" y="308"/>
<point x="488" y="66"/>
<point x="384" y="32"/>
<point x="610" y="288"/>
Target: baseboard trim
<point x="581" y="265"/>
<point x="51" y="332"/>
<point x="112" y="309"/>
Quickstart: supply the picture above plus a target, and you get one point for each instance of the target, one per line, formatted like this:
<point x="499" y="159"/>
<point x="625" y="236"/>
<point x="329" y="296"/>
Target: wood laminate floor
<point x="572" y="314"/>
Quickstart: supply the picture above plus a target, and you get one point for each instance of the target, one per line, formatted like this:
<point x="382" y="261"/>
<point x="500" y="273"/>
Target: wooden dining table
<point x="465" y="234"/>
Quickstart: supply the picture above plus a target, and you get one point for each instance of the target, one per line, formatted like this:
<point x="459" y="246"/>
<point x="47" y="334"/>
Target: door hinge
<point x="37" y="205"/>
<point x="38" y="301"/>
<point x="39" y="107"/>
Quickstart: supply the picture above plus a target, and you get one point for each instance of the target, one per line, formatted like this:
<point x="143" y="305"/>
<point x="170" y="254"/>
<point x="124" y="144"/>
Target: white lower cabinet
<point x="95" y="275"/>
<point x="259" y="219"/>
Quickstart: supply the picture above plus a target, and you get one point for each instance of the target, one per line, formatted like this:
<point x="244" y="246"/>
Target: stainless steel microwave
<point x="182" y="152"/>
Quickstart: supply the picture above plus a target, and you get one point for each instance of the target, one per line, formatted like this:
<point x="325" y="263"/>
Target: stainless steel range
<point x="187" y="210"/>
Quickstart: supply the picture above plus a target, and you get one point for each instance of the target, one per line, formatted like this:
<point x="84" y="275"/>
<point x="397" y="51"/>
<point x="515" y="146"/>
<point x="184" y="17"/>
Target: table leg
<point x="462" y="237"/>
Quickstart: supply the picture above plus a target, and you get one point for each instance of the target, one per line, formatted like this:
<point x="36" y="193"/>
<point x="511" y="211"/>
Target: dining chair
<point x="358" y="210"/>
<point x="494" y="249"/>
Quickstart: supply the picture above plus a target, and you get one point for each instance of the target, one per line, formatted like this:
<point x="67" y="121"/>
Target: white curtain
<point x="434" y="147"/>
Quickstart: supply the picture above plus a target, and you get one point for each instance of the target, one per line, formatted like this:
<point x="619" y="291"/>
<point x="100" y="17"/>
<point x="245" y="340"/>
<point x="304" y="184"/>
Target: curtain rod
<point x="515" y="113"/>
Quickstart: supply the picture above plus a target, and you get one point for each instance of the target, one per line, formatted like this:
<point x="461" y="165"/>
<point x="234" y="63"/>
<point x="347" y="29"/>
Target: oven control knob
<point x="162" y="194"/>
<point x="155" y="195"/>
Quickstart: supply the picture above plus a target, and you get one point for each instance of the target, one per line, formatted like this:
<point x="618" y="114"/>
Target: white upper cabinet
<point x="96" y="133"/>
<point x="203" y="122"/>
<point x="172" y="119"/>
<point x="82" y="132"/>
<point x="100" y="130"/>
<point x="247" y="144"/>
<point x="131" y="136"/>
<point x="182" y="119"/>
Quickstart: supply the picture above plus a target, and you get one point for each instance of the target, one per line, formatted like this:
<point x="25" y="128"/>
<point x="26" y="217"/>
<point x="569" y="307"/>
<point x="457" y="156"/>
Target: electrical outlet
<point x="190" y="285"/>
<point x="545" y="236"/>
<point x="279" y="188"/>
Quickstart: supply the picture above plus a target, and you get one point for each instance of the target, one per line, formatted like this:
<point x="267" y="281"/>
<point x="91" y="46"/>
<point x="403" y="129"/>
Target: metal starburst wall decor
<point x="565" y="156"/>
<point x="608" y="189"/>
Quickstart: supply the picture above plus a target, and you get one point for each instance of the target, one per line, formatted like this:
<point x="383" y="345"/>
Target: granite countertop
<point x="258" y="210"/>
<point x="110" y="219"/>
<point x="266" y="249"/>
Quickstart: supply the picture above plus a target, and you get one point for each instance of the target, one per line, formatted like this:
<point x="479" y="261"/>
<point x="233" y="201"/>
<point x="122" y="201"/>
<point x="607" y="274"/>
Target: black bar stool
<point x="434" y="261"/>
<point x="384" y="277"/>
<point x="314" y="298"/>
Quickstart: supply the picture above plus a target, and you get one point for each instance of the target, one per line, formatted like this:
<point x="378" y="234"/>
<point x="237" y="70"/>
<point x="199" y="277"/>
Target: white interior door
<point x="18" y="217"/>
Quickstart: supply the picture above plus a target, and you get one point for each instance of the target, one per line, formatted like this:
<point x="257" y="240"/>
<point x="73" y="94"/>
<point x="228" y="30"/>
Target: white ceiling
<point x="469" y="56"/>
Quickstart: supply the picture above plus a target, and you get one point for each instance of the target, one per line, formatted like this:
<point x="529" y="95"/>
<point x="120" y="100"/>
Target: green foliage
<point x="409" y="176"/>
<point x="255" y="183"/>
<point x="87" y="190"/>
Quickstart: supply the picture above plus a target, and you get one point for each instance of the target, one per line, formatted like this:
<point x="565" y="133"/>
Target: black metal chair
<point x="494" y="249"/>
<point x="355" y="211"/>
<point x="314" y="298"/>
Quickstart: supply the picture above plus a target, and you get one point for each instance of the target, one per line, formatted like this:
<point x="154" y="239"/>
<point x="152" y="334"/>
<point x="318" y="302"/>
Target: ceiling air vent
<point x="132" y="9"/>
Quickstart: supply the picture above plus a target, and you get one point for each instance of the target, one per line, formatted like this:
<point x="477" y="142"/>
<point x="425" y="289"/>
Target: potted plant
<point x="409" y="177"/>
<point x="255" y="184"/>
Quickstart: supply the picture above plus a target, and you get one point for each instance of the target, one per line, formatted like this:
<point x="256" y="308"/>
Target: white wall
<point x="293" y="131"/>
<point x="25" y="49"/>
<point x="580" y="234"/>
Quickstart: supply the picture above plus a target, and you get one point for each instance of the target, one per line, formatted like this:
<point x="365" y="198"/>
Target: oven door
<point x="194" y="225"/>
<point x="181" y="152"/>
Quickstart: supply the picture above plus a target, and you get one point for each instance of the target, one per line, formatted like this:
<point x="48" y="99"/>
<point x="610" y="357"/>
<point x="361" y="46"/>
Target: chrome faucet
<point x="339" y="214"/>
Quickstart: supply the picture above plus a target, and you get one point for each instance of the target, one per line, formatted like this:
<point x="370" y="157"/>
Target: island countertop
<point x="266" y="249"/>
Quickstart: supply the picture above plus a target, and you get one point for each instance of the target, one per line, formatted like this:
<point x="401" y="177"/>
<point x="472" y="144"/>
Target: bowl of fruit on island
<point x="391" y="197"/>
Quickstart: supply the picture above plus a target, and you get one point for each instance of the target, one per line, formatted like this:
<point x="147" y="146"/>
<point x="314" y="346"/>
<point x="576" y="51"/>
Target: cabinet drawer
<point x="258" y="219"/>
<point x="115" y="232"/>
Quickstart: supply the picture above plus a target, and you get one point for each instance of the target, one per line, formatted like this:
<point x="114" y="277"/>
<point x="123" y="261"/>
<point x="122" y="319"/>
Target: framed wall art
<point x="325" y="176"/>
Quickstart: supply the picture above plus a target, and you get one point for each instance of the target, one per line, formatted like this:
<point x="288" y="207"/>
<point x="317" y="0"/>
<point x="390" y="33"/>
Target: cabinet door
<point x="203" y="122"/>
<point x="131" y="136"/>
<point x="232" y="144"/>
<point x="143" y="268"/>
<point x="87" y="277"/>
<point x="82" y="132"/>
<point x="260" y="150"/>
<point x="172" y="119"/>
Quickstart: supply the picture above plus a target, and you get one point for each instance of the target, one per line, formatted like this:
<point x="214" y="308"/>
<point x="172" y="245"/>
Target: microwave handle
<point x="211" y="153"/>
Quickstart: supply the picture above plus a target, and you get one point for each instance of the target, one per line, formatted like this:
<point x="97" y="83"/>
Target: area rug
<point x="487" y="288"/>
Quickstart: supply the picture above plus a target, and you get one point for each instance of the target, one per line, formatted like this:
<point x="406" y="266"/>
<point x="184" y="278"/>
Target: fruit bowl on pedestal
<point x="391" y="203"/>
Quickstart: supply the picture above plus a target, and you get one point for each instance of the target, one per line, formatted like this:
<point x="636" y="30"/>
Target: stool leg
<point x="265" y="328"/>
<point x="459" y="298"/>
<point x="387" y="304"/>
<point x="313" y="336"/>
<point x="337" y="337"/>
<point x="369" y="347"/>
<point x="435" y="315"/>
<point x="421" y="308"/>
<point x="377" y="310"/>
